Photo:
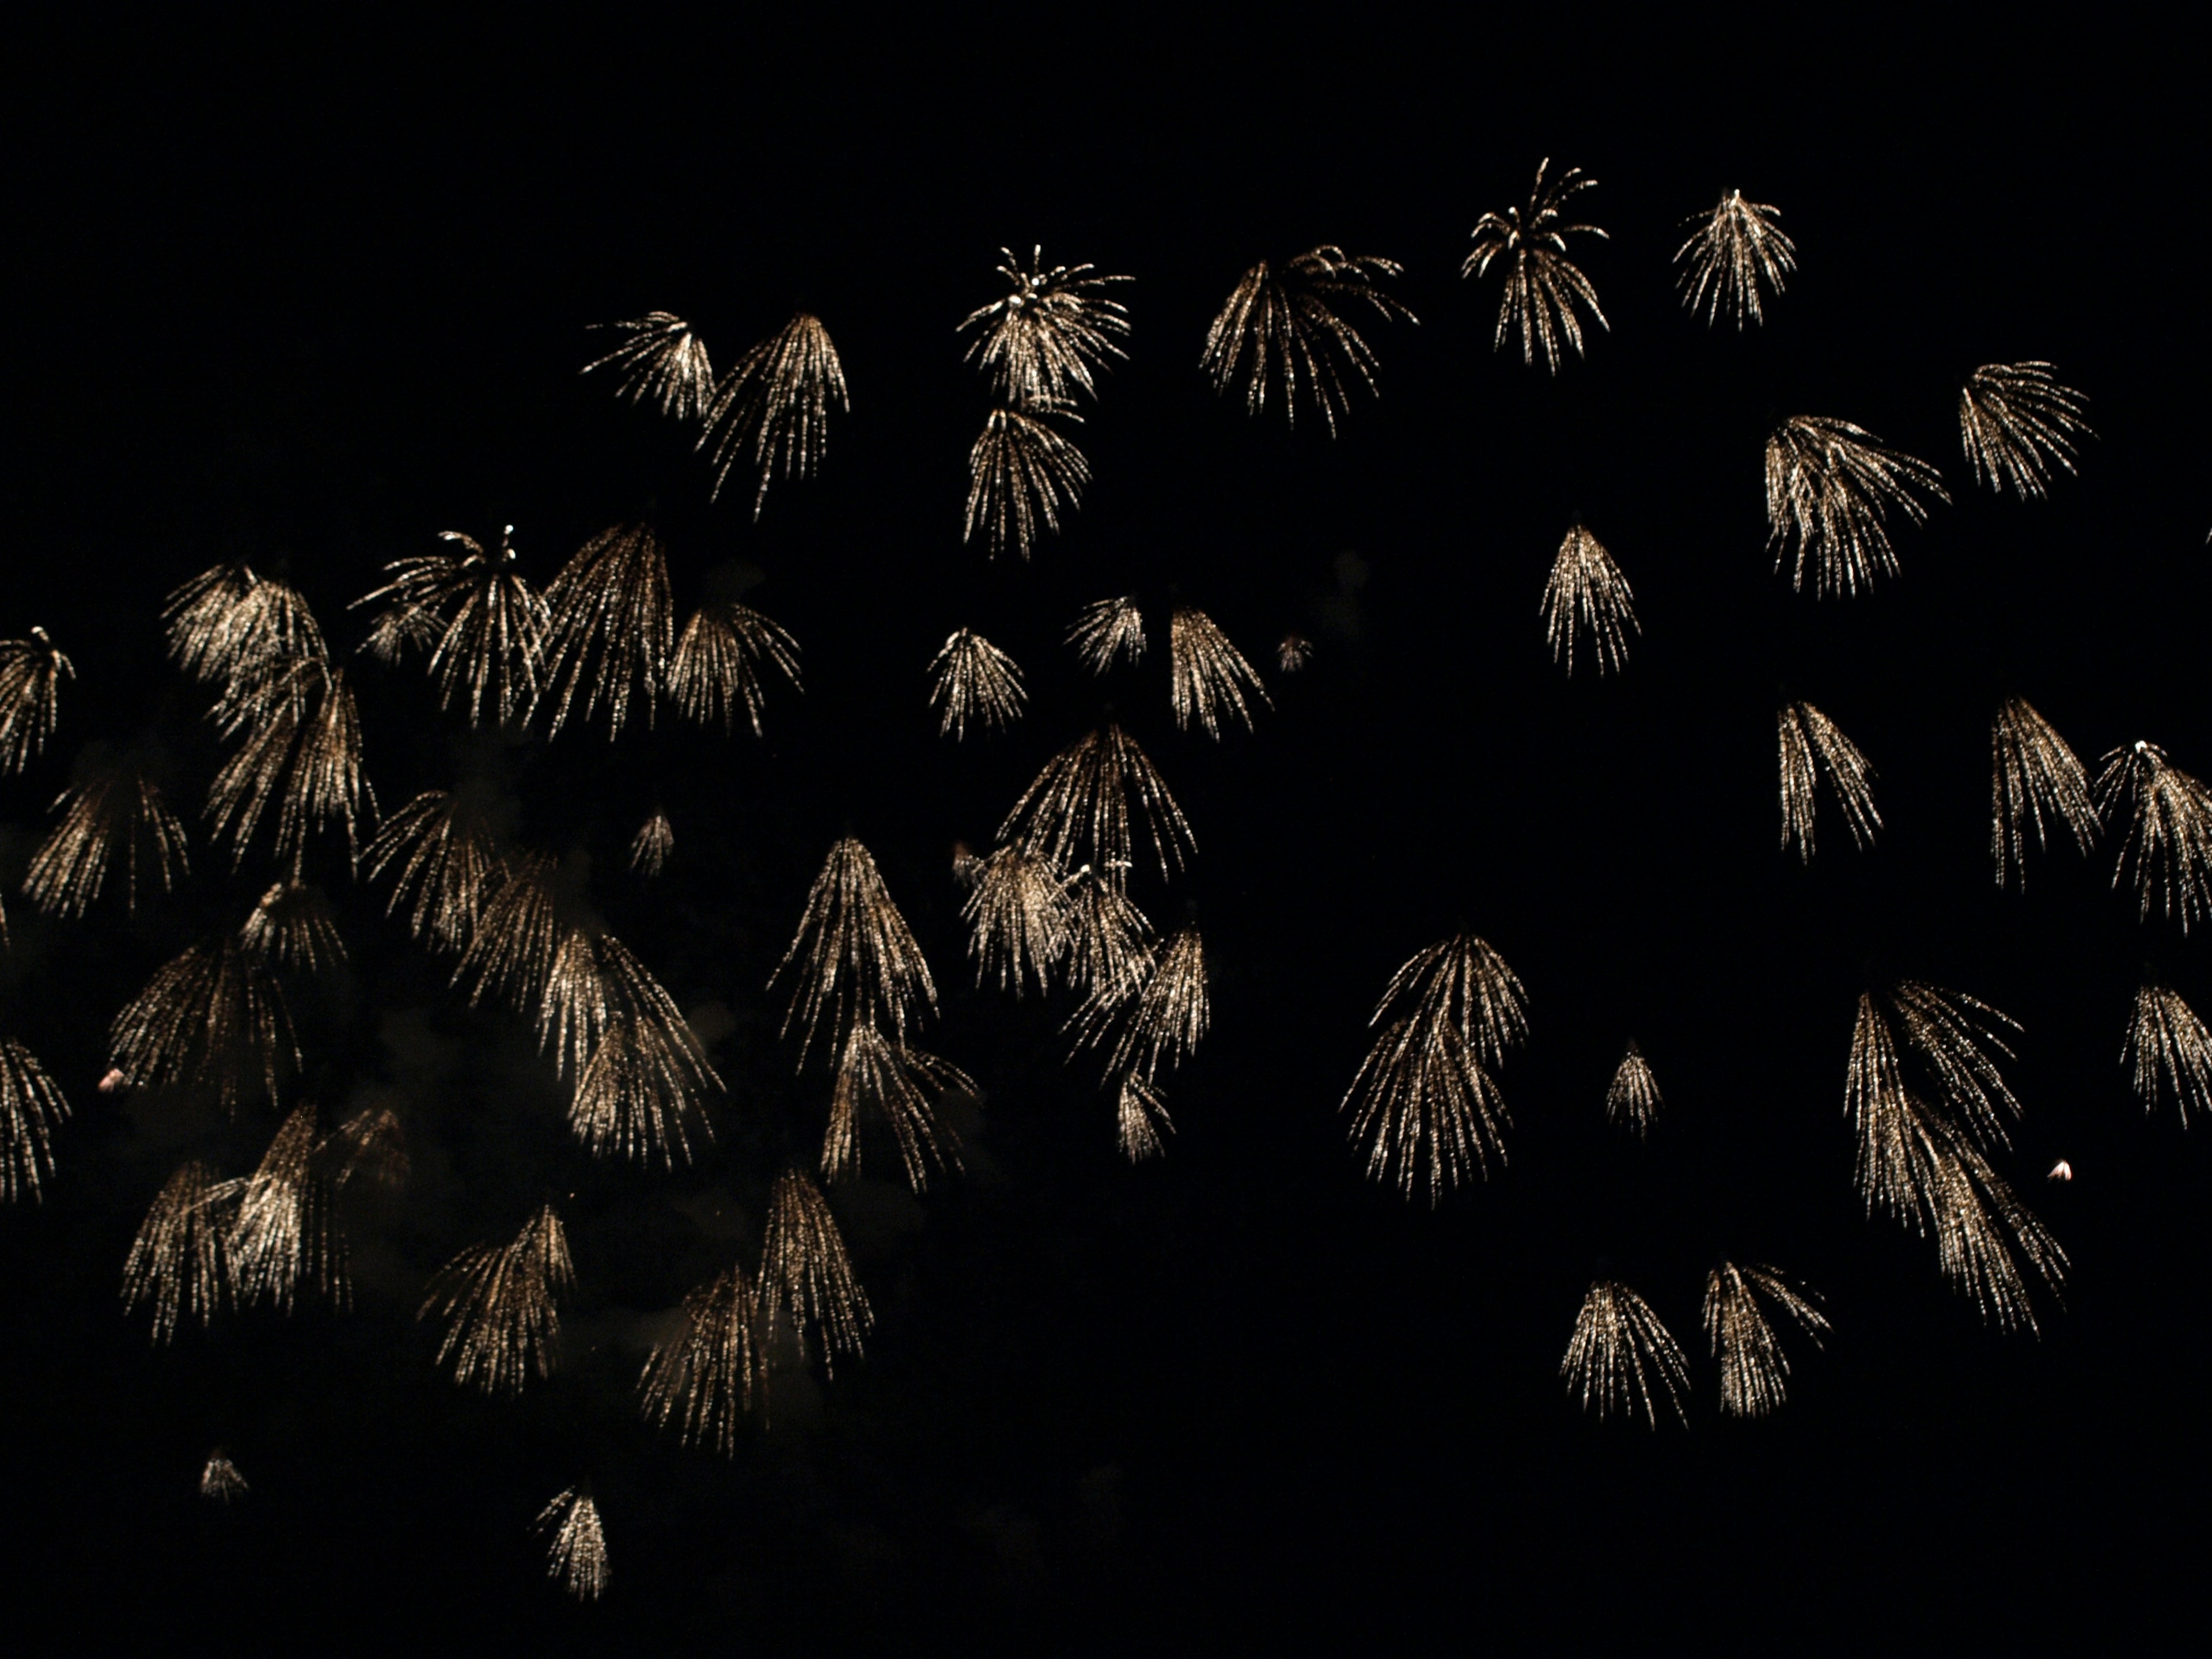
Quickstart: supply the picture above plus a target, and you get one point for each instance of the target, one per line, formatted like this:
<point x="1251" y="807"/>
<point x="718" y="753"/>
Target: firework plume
<point x="854" y="961"/>
<point x="1829" y="487"/>
<point x="1737" y="250"/>
<point x="650" y="847"/>
<point x="1811" y="745"/>
<point x="292" y="928"/>
<point x="1284" y="332"/>
<point x="1753" y="1369"/>
<point x="899" y="1087"/>
<point x="1017" y="914"/>
<point x="226" y="620"/>
<point x="283" y="1236"/>
<point x="1621" y="1359"/>
<point x="1587" y="597"/>
<point x="1207" y="677"/>
<point x="31" y="674"/>
<point x="658" y="360"/>
<point x="2168" y="842"/>
<point x="1023" y="473"/>
<point x="610" y="629"/>
<point x="119" y="816"/>
<point x="444" y="867"/>
<point x="1545" y="290"/>
<point x="2171" y="1052"/>
<point x="1079" y="810"/>
<point x="1108" y="630"/>
<point x="220" y="1480"/>
<point x="700" y="1379"/>
<point x="497" y="1303"/>
<point x="805" y="1277"/>
<point x="2017" y="423"/>
<point x="1632" y="1099"/>
<point x="771" y="413"/>
<point x="32" y="1106"/>
<point x="2033" y="776"/>
<point x="971" y="679"/>
<point x="215" y="1016"/>
<point x="178" y="1262"/>
<point x="1050" y="334"/>
<point x="487" y="625"/>
<point x="721" y="665"/>
<point x="576" y="1556"/>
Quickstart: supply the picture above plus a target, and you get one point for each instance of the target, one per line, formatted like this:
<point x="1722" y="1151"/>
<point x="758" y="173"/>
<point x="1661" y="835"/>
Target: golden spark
<point x="1586" y="596"/>
<point x="31" y="674"/>
<point x="720" y="663"/>
<point x="772" y="411"/>
<point x="498" y="1304"/>
<point x="1737" y="250"/>
<point x="1622" y="1359"/>
<point x="1544" y="288"/>
<point x="2171" y="1052"/>
<point x="2016" y="423"/>
<point x="1207" y="676"/>
<point x="1051" y="333"/>
<point x="658" y="360"/>
<point x="1023" y="473"/>
<point x="971" y="679"/>
<point x="118" y="811"/>
<point x="1754" y="1368"/>
<point x="32" y="1106"/>
<point x="2033" y="775"/>
<point x="1632" y="1099"/>
<point x="1082" y="802"/>
<point x="1829" y="486"/>
<point x="1284" y="332"/>
<point x="576" y="1558"/>
<point x="854" y="961"/>
<point x="1811" y="745"/>
<point x="2169" y="833"/>
<point x="806" y="1276"/>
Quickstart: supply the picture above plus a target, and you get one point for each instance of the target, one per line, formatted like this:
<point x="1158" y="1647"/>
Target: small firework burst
<point x="807" y="1277"/>
<point x="1545" y="290"/>
<point x="576" y="1557"/>
<point x="284" y="1234"/>
<point x="854" y="961"/>
<point x="639" y="1094"/>
<point x="596" y="979"/>
<point x="487" y="625"/>
<point x="298" y="730"/>
<point x="1632" y="1099"/>
<point x="1586" y="596"/>
<point x="119" y="810"/>
<point x="292" y="928"/>
<point x="1051" y="333"/>
<point x="1109" y="941"/>
<point x="2170" y="1051"/>
<point x="178" y="1261"/>
<point x="1811" y="745"/>
<point x="1017" y="914"/>
<point x="1829" y="487"/>
<point x="449" y="868"/>
<point x="31" y="674"/>
<point x="217" y="1016"/>
<point x="227" y="620"/>
<point x="1737" y="250"/>
<point x="1753" y="1369"/>
<point x="658" y="360"/>
<point x="610" y="629"/>
<point x="1621" y="1359"/>
<point x="498" y="1304"/>
<point x="1023" y="473"/>
<point x="1084" y="801"/>
<point x="220" y="1480"/>
<point x="370" y="1146"/>
<point x="32" y="1106"/>
<point x="898" y="1085"/>
<point x="1958" y="1039"/>
<point x="2033" y="775"/>
<point x="1158" y="1019"/>
<point x="2017" y="422"/>
<point x="1284" y="332"/>
<point x="1140" y="1116"/>
<point x="771" y="413"/>
<point x="1423" y="1103"/>
<point x="650" y="847"/>
<point x="1294" y="654"/>
<point x="2169" y="830"/>
<point x="971" y="679"/>
<point x="721" y="665"/>
<point x="1207" y="677"/>
<point x="1108" y="630"/>
<point x="509" y="953"/>
<point x="700" y="1379"/>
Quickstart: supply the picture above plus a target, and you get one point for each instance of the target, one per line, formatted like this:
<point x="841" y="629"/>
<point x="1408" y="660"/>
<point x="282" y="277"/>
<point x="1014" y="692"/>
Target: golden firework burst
<point x="2016" y="424"/>
<point x="2170" y="1051"/>
<point x="2168" y="842"/>
<point x="1084" y="807"/>
<point x="178" y="1261"/>
<point x="1284" y="332"/>
<point x="576" y="1552"/>
<point x="1830" y="486"/>
<point x="1023" y="473"/>
<point x="1545" y="290"/>
<point x="2033" y="776"/>
<point x="1207" y="677"/>
<point x="610" y="629"/>
<point x="1622" y="1359"/>
<point x="1754" y="1371"/>
<point x="32" y="1106"/>
<point x="854" y="961"/>
<point x="806" y="1276"/>
<point x="771" y="413"/>
<point x="971" y="679"/>
<point x="499" y="1305"/>
<point x="1587" y="597"/>
<point x="701" y="1378"/>
<point x="1050" y="334"/>
<point x="720" y="662"/>
<point x="1811" y="746"/>
<point x="1737" y="250"/>
<point x="1632" y="1099"/>
<point x="658" y="360"/>
<point x="117" y="813"/>
<point x="31" y="674"/>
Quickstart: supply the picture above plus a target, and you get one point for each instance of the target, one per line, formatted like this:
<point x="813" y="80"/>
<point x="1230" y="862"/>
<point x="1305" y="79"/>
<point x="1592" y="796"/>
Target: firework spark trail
<point x="1829" y="487"/>
<point x="1023" y="473"/>
<point x="450" y="866"/>
<point x="1810" y="744"/>
<point x="971" y="679"/>
<point x="721" y="662"/>
<point x="1108" y="630"/>
<point x="1754" y="1368"/>
<point x="1082" y="804"/>
<point x="220" y="1480"/>
<point x="1284" y="332"/>
<point x="215" y="1015"/>
<point x="806" y="1277"/>
<point x="298" y="730"/>
<point x="2170" y="1052"/>
<point x="498" y="1304"/>
<point x="1632" y="1099"/>
<point x="639" y="1094"/>
<point x="284" y="1234"/>
<point x="1141" y="1120"/>
<point x="119" y="810"/>
<point x="2169" y="833"/>
<point x="1053" y="330"/>
<point x="1737" y="250"/>
<point x="2033" y="776"/>
<point x="1018" y="914"/>
<point x="649" y="848"/>
<point x="31" y="673"/>
<point x="292" y="928"/>
<point x="700" y="1379"/>
<point x="1622" y="1359"/>
<point x="1208" y="677"/>
<point x="895" y="1084"/>
<point x="1545" y="290"/>
<point x="854" y="961"/>
<point x="658" y="360"/>
<point x="610" y="628"/>
<point x="32" y="1106"/>
<point x="487" y="625"/>
<point x="509" y="952"/>
<point x="179" y="1261"/>
<point x="227" y="621"/>
<point x="2016" y="423"/>
<point x="1586" y="596"/>
<point x="576" y="1556"/>
<point x="772" y="411"/>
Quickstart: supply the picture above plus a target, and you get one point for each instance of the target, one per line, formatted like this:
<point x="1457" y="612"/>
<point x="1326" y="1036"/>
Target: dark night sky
<point x="306" y="301"/>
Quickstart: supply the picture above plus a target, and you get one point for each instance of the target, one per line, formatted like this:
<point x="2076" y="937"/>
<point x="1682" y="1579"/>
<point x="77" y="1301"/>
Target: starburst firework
<point x="806" y="1276"/>
<point x="298" y="730"/>
<point x="1052" y="332"/>
<point x="1737" y="250"/>
<point x="177" y="1262"/>
<point x="371" y="1145"/>
<point x="2170" y="1051"/>
<point x="449" y="867"/>
<point x="1082" y="802"/>
<point x="510" y="950"/>
<point x="31" y="674"/>
<point x="1022" y="474"/>
<point x="1017" y="912"/>
<point x="292" y="928"/>
<point x="227" y="620"/>
<point x="1754" y="1368"/>
<point x="1109" y="941"/>
<point x="640" y="1093"/>
<point x="498" y="1305"/>
<point x="118" y="811"/>
<point x="488" y="625"/>
<point x="2169" y="835"/>
<point x="899" y="1086"/>
<point x="1293" y="653"/>
<point x="1207" y="676"/>
<point x="1632" y="1100"/>
<point x="610" y="629"/>
<point x="772" y="411"/>
<point x="1586" y="596"/>
<point x="701" y="1378"/>
<point x="971" y="679"/>
<point x="658" y="360"/>
<point x="720" y="663"/>
<point x="215" y="1015"/>
<point x="1284" y="332"/>
<point x="1811" y="745"/>
<point x="2033" y="775"/>
<point x="1545" y="290"/>
<point x="854" y="961"/>
<point x="284" y="1234"/>
<point x="2016" y="423"/>
<point x="576" y="1557"/>
<point x="1829" y="487"/>
<point x="32" y="1106"/>
<point x="1106" y="630"/>
<point x="1622" y="1359"/>
<point x="1423" y="1103"/>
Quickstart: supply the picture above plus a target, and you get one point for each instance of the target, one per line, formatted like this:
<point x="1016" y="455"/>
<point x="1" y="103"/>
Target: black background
<point x="306" y="298"/>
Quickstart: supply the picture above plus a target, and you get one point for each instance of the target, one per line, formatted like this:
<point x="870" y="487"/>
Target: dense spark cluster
<point x="1545" y="290"/>
<point x="1753" y="1369"/>
<point x="2168" y="840"/>
<point x="292" y="928"/>
<point x="657" y="358"/>
<point x="1108" y="631"/>
<point x="1052" y="332"/>
<point x="1588" y="599"/>
<point x="700" y="1379"/>
<point x="806" y="1279"/>
<point x="576" y="1555"/>
<point x="444" y="864"/>
<point x="771" y="413"/>
<point x="1811" y="747"/>
<point x="610" y="628"/>
<point x="2016" y="423"/>
<point x="1088" y="803"/>
<point x="721" y="665"/>
<point x="298" y="731"/>
<point x="1207" y="677"/>
<point x="897" y="1087"/>
<point x="1023" y="473"/>
<point x="498" y="1304"/>
<point x="2169" y="1050"/>
<point x="283" y="1236"/>
<point x="227" y="621"/>
<point x="1830" y="486"/>
<point x="1737" y="250"/>
<point x="1141" y="1120"/>
<point x="854" y="961"/>
<point x="179" y="1262"/>
<point x="31" y="675"/>
<point x="971" y="679"/>
<point x="1621" y="1360"/>
<point x="32" y="1106"/>
<point x="1632" y="1099"/>
<point x="2033" y="776"/>
<point x="1284" y="332"/>
<point x="1425" y="1104"/>
<point x="650" y="847"/>
<point x="485" y="625"/>
<point x="1017" y="913"/>
<point x="215" y="1016"/>
<point x="117" y="814"/>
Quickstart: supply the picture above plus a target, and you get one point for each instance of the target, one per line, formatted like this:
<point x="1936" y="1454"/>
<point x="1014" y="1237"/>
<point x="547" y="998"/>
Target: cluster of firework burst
<point x="1051" y="907"/>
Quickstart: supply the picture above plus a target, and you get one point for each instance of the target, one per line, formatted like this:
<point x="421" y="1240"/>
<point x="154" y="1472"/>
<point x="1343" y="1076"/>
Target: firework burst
<point x="31" y="674"/>
<point x="854" y="961"/>
<point x="177" y="1263"/>
<point x="806" y="1276"/>
<point x="1284" y="332"/>
<point x="292" y="928"/>
<point x="284" y="1234"/>
<point x="899" y="1086"/>
<point x="220" y="1480"/>
<point x="1753" y="1369"/>
<point x="650" y="847"/>
<point x="2016" y="424"/>
<point x="1737" y="250"/>
<point x="1811" y="745"/>
<point x="1621" y="1359"/>
<point x="215" y="1015"/>
<point x="444" y="866"/>
<point x="771" y="413"/>
<point x="721" y="665"/>
<point x="576" y="1555"/>
<point x="639" y="1094"/>
<point x="510" y="950"/>
<point x="1207" y="677"/>
<point x="32" y="1106"/>
<point x="610" y="628"/>
<point x="2033" y="776"/>
<point x="226" y="620"/>
<point x="1141" y="1120"/>
<point x="1586" y="596"/>
<point x="1085" y="801"/>
<point x="2170" y="1051"/>
<point x="1018" y="914"/>
<point x="120" y="810"/>
<point x="971" y="679"/>
<point x="1107" y="631"/>
<point x="1829" y="487"/>
<point x="498" y="1304"/>
<point x="1159" y="1018"/>
<point x="1023" y="473"/>
<point x="700" y="1379"/>
<point x="1545" y="290"/>
<point x="487" y="625"/>
<point x="1632" y="1099"/>
<point x="658" y="360"/>
<point x="2169" y="835"/>
<point x="299" y="744"/>
<point x="1050" y="334"/>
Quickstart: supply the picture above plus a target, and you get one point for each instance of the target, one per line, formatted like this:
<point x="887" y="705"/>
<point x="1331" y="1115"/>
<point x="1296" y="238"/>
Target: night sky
<point x="306" y="301"/>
